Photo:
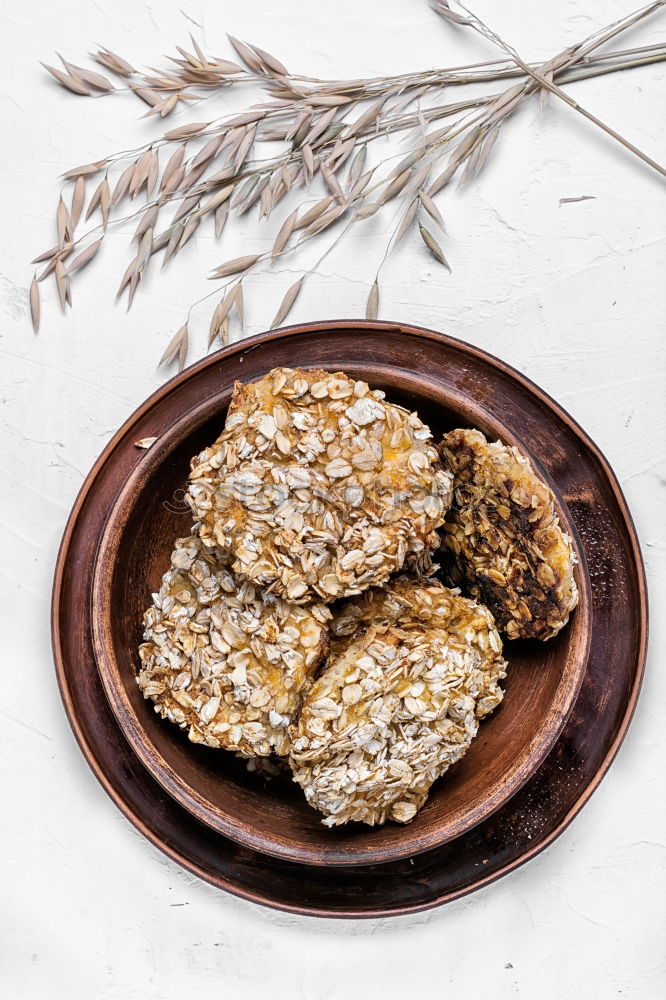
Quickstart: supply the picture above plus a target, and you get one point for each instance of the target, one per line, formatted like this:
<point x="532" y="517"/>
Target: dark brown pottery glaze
<point x="485" y="392"/>
<point x="274" y="818"/>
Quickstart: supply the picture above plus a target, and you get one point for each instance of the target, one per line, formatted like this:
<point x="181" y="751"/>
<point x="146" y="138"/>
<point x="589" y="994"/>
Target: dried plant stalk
<point x="212" y="170"/>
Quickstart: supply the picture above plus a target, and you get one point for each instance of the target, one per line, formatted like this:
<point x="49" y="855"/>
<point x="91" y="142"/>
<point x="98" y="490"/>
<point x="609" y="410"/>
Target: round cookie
<point x="506" y="547"/>
<point x="395" y="706"/>
<point x="318" y="487"/>
<point x="224" y="662"/>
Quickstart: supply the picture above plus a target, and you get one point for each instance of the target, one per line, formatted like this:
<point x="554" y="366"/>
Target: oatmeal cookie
<point x="405" y="601"/>
<point x="395" y="707"/>
<point x="505" y="544"/>
<point x="318" y="487"/>
<point x="224" y="662"/>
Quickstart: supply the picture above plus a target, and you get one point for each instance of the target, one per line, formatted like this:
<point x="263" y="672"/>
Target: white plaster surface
<point x="574" y="296"/>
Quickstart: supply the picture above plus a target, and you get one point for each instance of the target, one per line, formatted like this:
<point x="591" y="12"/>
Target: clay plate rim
<point x="407" y="840"/>
<point x="611" y="740"/>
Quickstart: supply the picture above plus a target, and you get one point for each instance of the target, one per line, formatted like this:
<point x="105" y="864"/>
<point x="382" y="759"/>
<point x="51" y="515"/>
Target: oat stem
<point x="475" y="22"/>
<point x="325" y="127"/>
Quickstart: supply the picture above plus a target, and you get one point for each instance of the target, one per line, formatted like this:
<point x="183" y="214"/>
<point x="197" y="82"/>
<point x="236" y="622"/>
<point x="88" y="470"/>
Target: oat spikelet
<point x="433" y="246"/>
<point x="63" y="222"/>
<point x="286" y="229"/>
<point x="407" y="220"/>
<point x="62" y="283"/>
<point x="34" y="304"/>
<point x="68" y="81"/>
<point x="372" y="308"/>
<point x="78" y="199"/>
<point x="177" y="347"/>
<point x="114" y="62"/>
<point x="235" y="266"/>
<point x="431" y="208"/>
<point x="86" y="170"/>
<point x="85" y="256"/>
<point x="313" y="213"/>
<point x="287" y="303"/>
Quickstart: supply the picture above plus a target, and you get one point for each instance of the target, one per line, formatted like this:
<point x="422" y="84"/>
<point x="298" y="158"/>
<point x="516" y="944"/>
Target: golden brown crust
<point x="505" y="544"/>
<point x="412" y="670"/>
<point x="405" y="601"/>
<point x="318" y="487"/>
<point x="224" y="662"/>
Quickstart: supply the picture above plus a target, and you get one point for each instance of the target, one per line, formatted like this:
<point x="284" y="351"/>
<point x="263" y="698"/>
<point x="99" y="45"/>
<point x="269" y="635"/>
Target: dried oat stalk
<point x="204" y="172"/>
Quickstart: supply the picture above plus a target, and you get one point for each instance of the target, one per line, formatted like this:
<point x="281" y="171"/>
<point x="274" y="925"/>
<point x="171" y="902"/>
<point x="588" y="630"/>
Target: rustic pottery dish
<point x="273" y="817"/>
<point x="451" y="384"/>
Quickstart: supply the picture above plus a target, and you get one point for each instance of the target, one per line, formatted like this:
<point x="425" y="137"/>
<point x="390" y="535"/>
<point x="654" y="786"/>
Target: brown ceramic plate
<point x="616" y="619"/>
<point x="134" y="550"/>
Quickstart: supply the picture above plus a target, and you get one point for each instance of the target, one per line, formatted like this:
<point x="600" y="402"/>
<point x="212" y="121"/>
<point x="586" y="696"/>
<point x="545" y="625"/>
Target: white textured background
<point x="573" y="295"/>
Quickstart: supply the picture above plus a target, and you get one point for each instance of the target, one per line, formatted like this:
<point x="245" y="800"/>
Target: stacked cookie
<point x="301" y="617"/>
